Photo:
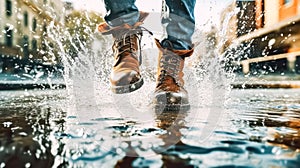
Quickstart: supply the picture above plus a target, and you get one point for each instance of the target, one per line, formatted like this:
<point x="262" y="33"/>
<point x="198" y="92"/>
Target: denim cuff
<point x="130" y="18"/>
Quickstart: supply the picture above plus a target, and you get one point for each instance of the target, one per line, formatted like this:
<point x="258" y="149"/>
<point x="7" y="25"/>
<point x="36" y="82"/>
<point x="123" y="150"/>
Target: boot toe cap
<point x="124" y="78"/>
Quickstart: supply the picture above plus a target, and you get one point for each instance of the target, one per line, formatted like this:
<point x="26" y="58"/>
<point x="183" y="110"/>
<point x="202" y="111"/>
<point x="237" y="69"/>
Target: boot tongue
<point x="126" y="47"/>
<point x="125" y="32"/>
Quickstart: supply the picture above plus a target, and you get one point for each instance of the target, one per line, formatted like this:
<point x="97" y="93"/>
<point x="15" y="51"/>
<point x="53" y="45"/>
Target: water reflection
<point x="260" y="128"/>
<point x="25" y="130"/>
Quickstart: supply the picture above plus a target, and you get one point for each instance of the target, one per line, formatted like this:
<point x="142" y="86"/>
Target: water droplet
<point x="7" y="124"/>
<point x="271" y="42"/>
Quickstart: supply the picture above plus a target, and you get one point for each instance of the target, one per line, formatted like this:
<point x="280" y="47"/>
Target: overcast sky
<point x="206" y="10"/>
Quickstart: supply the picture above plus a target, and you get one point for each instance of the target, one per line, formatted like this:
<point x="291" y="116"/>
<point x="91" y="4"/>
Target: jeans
<point x="180" y="20"/>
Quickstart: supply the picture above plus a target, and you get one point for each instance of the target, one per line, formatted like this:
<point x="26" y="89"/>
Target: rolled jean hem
<point x="130" y="18"/>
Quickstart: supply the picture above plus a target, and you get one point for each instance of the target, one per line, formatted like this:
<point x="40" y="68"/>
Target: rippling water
<point x="257" y="128"/>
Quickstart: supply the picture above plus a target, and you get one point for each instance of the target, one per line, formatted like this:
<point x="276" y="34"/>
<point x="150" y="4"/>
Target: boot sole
<point x="172" y="107"/>
<point x="127" y="88"/>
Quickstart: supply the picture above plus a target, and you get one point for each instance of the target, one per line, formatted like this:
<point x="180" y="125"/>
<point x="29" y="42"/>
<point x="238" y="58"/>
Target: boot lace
<point x="170" y="66"/>
<point x="126" y="42"/>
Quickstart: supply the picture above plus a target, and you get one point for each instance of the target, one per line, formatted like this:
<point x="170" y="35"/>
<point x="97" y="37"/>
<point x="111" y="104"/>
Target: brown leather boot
<point x="170" y="94"/>
<point x="125" y="76"/>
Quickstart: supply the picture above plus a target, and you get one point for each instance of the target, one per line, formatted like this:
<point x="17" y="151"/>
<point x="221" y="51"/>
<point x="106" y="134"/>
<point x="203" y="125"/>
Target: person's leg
<point x="120" y="12"/>
<point x="180" y="24"/>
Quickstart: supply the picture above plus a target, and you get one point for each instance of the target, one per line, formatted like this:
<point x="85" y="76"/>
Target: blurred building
<point x="24" y="25"/>
<point x="265" y="28"/>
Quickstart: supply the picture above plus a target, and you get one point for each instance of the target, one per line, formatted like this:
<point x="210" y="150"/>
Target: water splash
<point x="87" y="72"/>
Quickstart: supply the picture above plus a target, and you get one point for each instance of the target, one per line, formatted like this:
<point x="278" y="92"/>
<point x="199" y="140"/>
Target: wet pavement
<point x="21" y="81"/>
<point x="253" y="128"/>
